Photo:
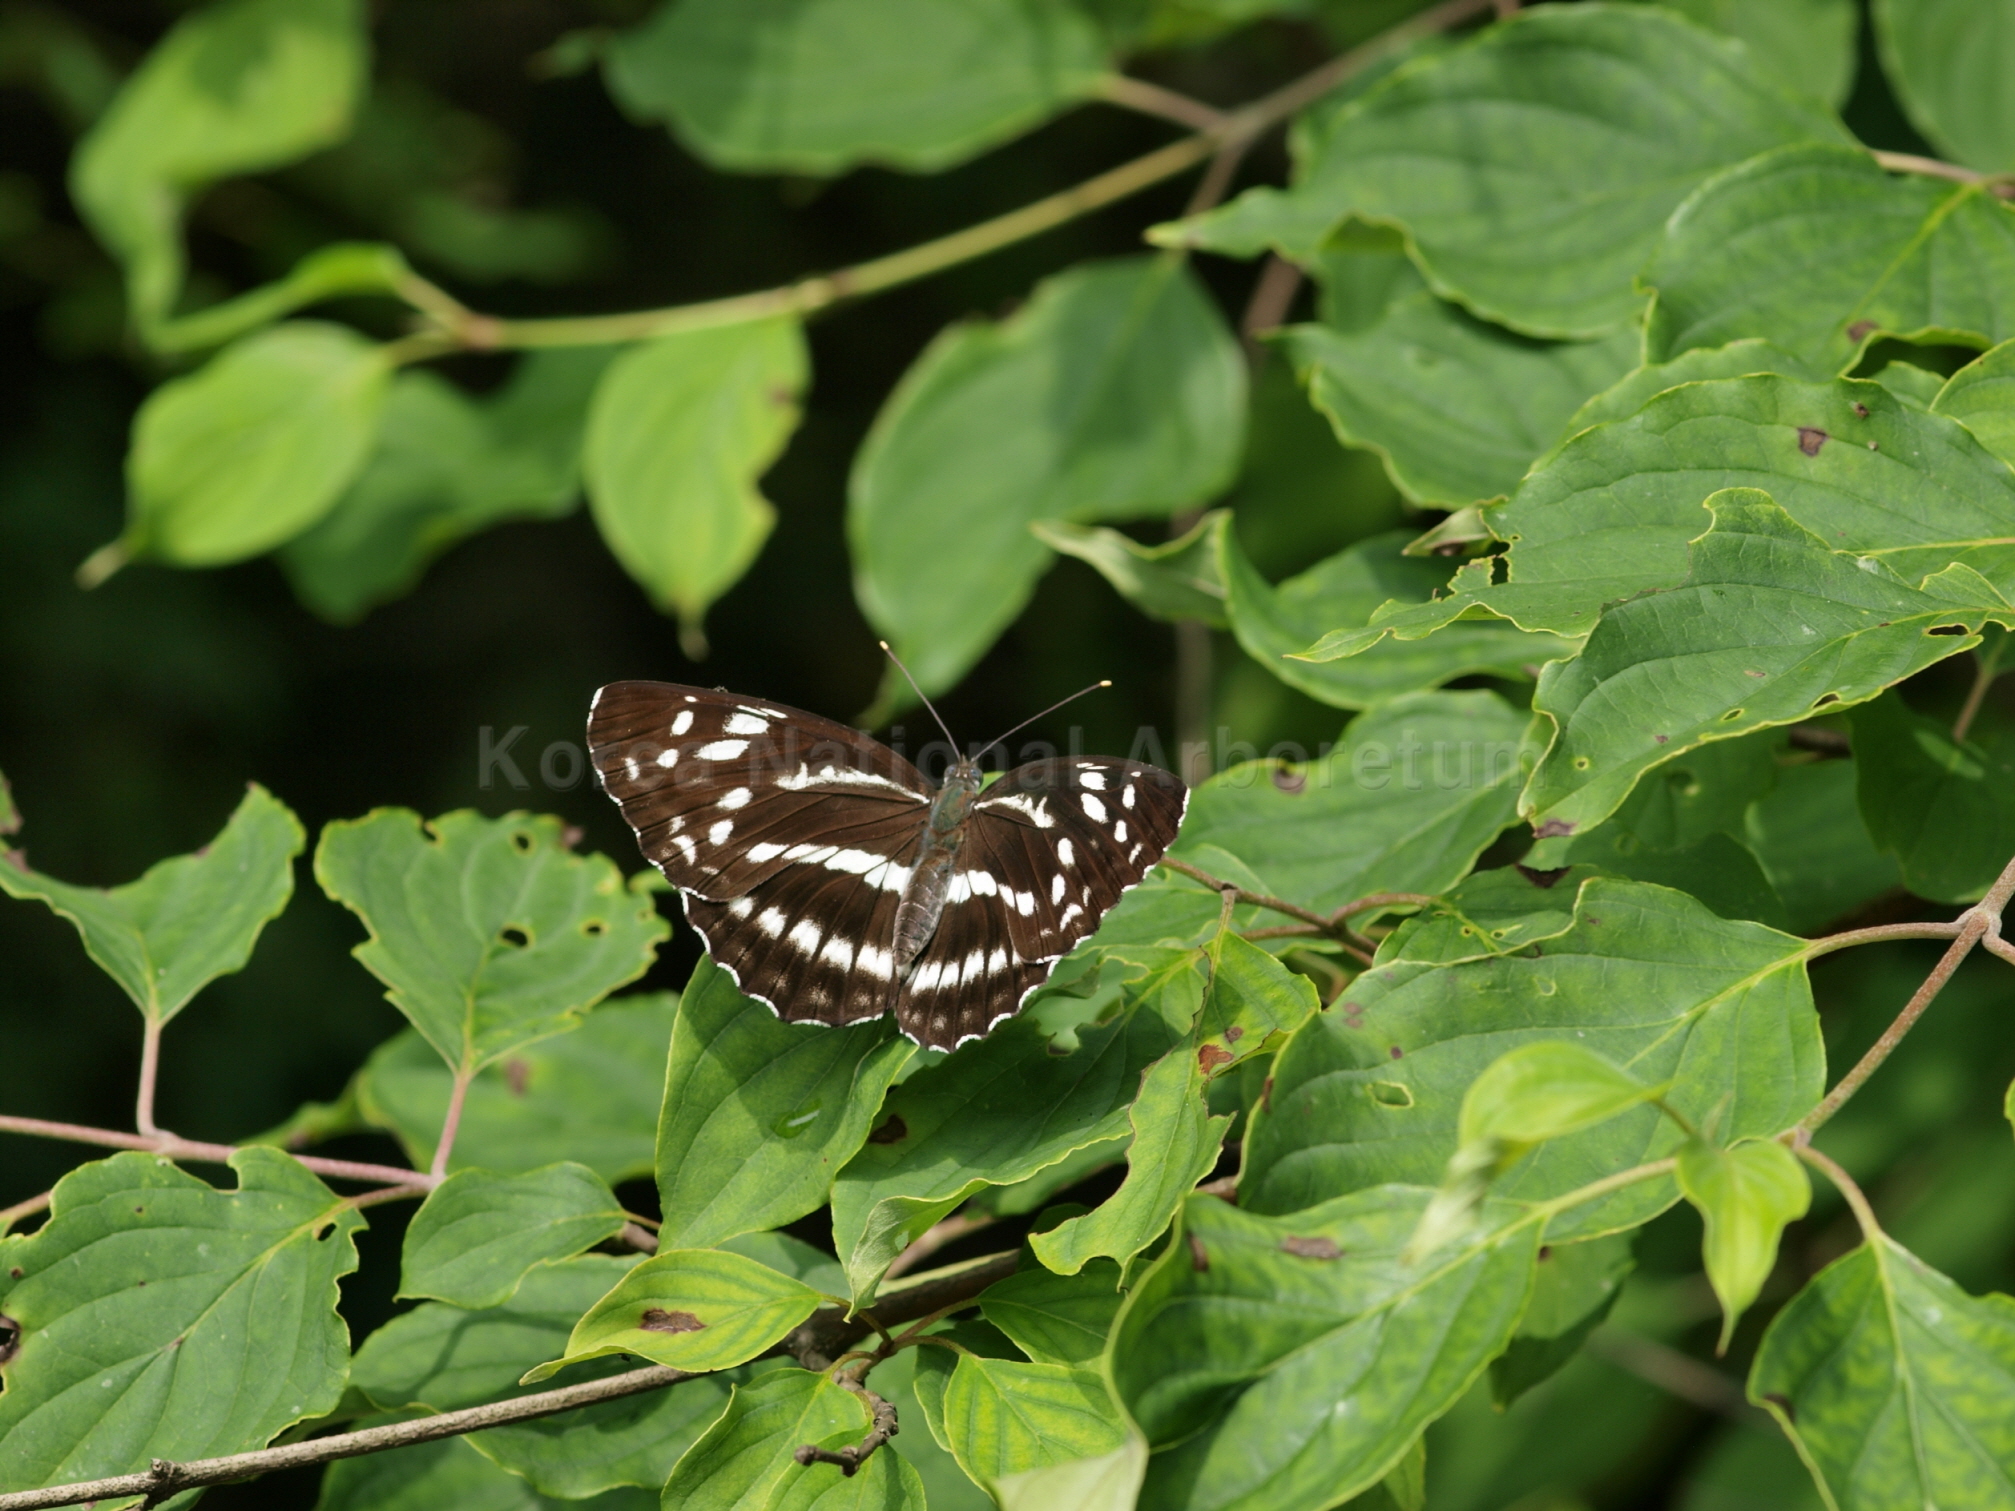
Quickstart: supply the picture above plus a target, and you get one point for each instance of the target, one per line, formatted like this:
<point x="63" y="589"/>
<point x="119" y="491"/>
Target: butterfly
<point x="835" y="882"/>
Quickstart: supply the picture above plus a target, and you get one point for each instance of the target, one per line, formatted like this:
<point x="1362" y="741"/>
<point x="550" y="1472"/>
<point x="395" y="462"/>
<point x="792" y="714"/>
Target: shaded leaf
<point x="1578" y="1283"/>
<point x="765" y="86"/>
<point x="1894" y="1383"/>
<point x="236" y="1337"/>
<point x="478" y="1233"/>
<point x="1745" y="1195"/>
<point x="1005" y="1417"/>
<point x="1808" y="46"/>
<point x="1116" y="392"/>
<point x="744" y="1459"/>
<point x="1981" y="396"/>
<point x="1289" y="1362"/>
<point x="1945" y="60"/>
<point x="1174" y="581"/>
<point x="1699" y="364"/>
<point x="189" y="919"/>
<point x="760" y="1115"/>
<point x="1056" y="1319"/>
<point x="488" y="933"/>
<point x="692" y="1309"/>
<point x="1369" y="1091"/>
<point x="1818" y="249"/>
<point x="678" y="433"/>
<point x="1808" y="835"/>
<point x="1944" y="808"/>
<point x="448" y="1472"/>
<point x="1533" y="166"/>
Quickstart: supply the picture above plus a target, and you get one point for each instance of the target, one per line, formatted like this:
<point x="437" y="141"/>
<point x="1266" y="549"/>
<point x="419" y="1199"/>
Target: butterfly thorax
<point x="923" y="897"/>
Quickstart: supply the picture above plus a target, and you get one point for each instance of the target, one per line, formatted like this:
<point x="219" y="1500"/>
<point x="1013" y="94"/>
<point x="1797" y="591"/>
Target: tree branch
<point x="1163" y="104"/>
<point x="882" y="1419"/>
<point x="1864" y="1214"/>
<point x="171" y="1147"/>
<point x="1827" y="944"/>
<point x="11" y="1215"/>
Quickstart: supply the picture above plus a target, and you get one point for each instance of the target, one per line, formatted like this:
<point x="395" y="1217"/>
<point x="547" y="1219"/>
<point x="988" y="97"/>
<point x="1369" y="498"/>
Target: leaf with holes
<point x="1253" y="1002"/>
<point x="1286" y="1363"/>
<point x="478" y="1233"/>
<point x="1370" y="1090"/>
<point x="1175" y="581"/>
<point x="760" y="1115"/>
<point x="1894" y="1383"/>
<point x="189" y="920"/>
<point x="1487" y="914"/>
<point x="744" y="1460"/>
<point x="1056" y="1319"/>
<point x="1944" y="808"/>
<point x="692" y="1309"/>
<point x="489" y="934"/>
<point x="1005" y="1417"/>
<point x="1772" y="625"/>
<point x="163" y="1318"/>
<point x="1746" y="1195"/>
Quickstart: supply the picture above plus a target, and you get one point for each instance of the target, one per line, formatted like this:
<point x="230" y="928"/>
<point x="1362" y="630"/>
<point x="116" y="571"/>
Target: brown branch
<point x="1163" y="104"/>
<point x="1272" y="294"/>
<point x="1931" y="167"/>
<point x="1256" y="899"/>
<point x="1857" y="1200"/>
<point x="829" y="1332"/>
<point x="11" y="1215"/>
<point x="169" y="1146"/>
<point x="1827" y="944"/>
<point x="882" y="1420"/>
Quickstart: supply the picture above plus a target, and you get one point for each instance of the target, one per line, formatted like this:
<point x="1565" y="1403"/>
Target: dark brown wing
<point x="970" y="976"/>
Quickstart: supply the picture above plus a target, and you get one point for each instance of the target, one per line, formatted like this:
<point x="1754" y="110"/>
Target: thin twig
<point x="1857" y="1200"/>
<point x="11" y="1215"/>
<point x="1827" y="944"/>
<point x="150" y="1071"/>
<point x="1272" y="295"/>
<point x="1931" y="167"/>
<point x="935" y="1237"/>
<point x="1164" y="104"/>
<point x="1376" y="900"/>
<point x="385" y="1194"/>
<point x="1256" y="899"/>
<point x="882" y="1427"/>
<point x="451" y="1124"/>
<point x="1217" y="178"/>
<point x="639" y="1237"/>
<point x="1675" y="1373"/>
<point x="1986" y="668"/>
<point x="171" y="1147"/>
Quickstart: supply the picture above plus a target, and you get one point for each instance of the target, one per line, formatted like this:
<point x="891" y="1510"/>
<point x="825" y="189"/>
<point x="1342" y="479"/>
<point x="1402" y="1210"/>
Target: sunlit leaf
<point x="1745" y="1195"/>
<point x="744" y="1459"/>
<point x="448" y="1472"/>
<point x="1056" y="1319"/>
<point x="1109" y="1482"/>
<point x="478" y="1232"/>
<point x="1488" y="913"/>
<point x="1005" y="1417"/>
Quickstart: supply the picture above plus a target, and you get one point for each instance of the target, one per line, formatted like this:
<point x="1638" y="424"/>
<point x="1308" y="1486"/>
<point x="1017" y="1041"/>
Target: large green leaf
<point x="743" y="1461"/>
<point x="1005" y="1417"/>
<point x="1274" y="624"/>
<point x="593" y="1091"/>
<point x="488" y="933"/>
<point x="1806" y="45"/>
<point x="443" y="1358"/>
<point x="1176" y="580"/>
<point x="445" y="467"/>
<point x="1488" y="913"/>
<point x="815" y="86"/>
<point x="449" y="1472"/>
<point x="1944" y="808"/>
<point x="1981" y="396"/>
<point x="1458" y="408"/>
<point x="1405" y="804"/>
<point x="1056" y="1319"/>
<point x="162" y="1318"/>
<point x="994" y="1112"/>
<point x="478" y="1233"/>
<point x="1818" y="249"/>
<point x="1287" y="1363"/>
<point x="1745" y="1196"/>
<point x="679" y="431"/>
<point x="1609" y="515"/>
<point x="1946" y="60"/>
<point x="1894" y="1383"/>
<point x="233" y="88"/>
<point x="1773" y="625"/>
<point x="760" y="1115"/>
<point x="1808" y="836"/>
<point x="1116" y="392"/>
<point x="1109" y="1482"/>
<point x="188" y="920"/>
<point x="1370" y="1090"/>
<point x="247" y="452"/>
<point x="1533" y="167"/>
<point x="1700" y="364"/>
<point x="1578" y="1284"/>
<point x="692" y="1309"/>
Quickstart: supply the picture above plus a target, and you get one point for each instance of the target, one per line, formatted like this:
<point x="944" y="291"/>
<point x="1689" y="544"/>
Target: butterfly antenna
<point x="889" y="651"/>
<point x="1044" y="714"/>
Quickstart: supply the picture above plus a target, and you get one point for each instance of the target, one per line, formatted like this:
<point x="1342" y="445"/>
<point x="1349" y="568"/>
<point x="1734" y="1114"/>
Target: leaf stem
<point x="1931" y="167"/>
<point x="170" y="1146"/>
<point x="452" y="1123"/>
<point x="882" y="1427"/>
<point x="1986" y="668"/>
<point x="150" y="1069"/>
<point x="1864" y="1214"/>
<point x="11" y="1215"/>
<point x="1596" y="1189"/>
<point x="1164" y="104"/>
<point x="1829" y="943"/>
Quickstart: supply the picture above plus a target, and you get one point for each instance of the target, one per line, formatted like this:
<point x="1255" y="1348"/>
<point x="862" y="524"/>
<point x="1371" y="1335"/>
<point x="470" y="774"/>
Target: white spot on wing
<point x="1119" y="831"/>
<point x="722" y="832"/>
<point x="745" y="724"/>
<point x="1065" y="853"/>
<point x="765" y="851"/>
<point x="1030" y="808"/>
<point x="1093" y="808"/>
<point x="838" y="952"/>
<point x="684" y="721"/>
<point x="1056" y="889"/>
<point x="805" y="935"/>
<point x="741" y="907"/>
<point x="960" y="889"/>
<point x="668" y="758"/>
<point x="739" y="798"/>
<point x="683" y="843"/>
<point x="721" y="750"/>
<point x="771" y="921"/>
<point x="876" y="962"/>
<point x="1093" y="778"/>
<point x="1126" y="796"/>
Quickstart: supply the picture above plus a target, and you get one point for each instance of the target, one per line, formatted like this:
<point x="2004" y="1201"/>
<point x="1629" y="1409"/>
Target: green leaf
<point x="478" y="1233"/>
<point x="1005" y="1417"/>
<point x="1981" y="396"/>
<point x="233" y="88"/>
<point x="1175" y="1143"/>
<point x="1369" y="1091"/>
<point x="237" y="1339"/>
<point x="1457" y="408"/>
<point x="1252" y="1003"/>
<point x="760" y="1115"/>
<point x="339" y="270"/>
<point x="1746" y="1195"/>
<point x="1109" y="1482"/>
<point x="188" y="920"/>
<point x="442" y="1358"/>
<point x="1116" y="392"/>
<point x="1543" y="1091"/>
<point x="1532" y="167"/>
<point x="1773" y="626"/>
<point x="769" y="86"/>
<point x="743" y="1460"/>
<point x="1809" y="837"/>
<point x="488" y="933"/>
<point x="1639" y="386"/>
<point x="692" y="1309"/>
<point x="448" y="1472"/>
<point x="1894" y="1383"/>
<point x="890" y="1485"/>
<point x="679" y="431"/>
<point x="593" y="1091"/>
<point x="447" y="466"/>
<point x="1174" y="581"/>
<point x="992" y="1113"/>
<point x="1818" y="249"/>
<point x="1487" y="914"/>
<point x="1944" y="808"/>
<point x="1578" y="1283"/>
<point x="1405" y="804"/>
<point x="1808" y="46"/>
<point x="1945" y="60"/>
<point x="1056" y="1319"/>
<point x="253" y="448"/>
<point x="1609" y="515"/>
<point x="1288" y="1363"/>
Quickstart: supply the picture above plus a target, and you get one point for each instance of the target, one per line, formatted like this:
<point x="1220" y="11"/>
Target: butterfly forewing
<point x="793" y="837"/>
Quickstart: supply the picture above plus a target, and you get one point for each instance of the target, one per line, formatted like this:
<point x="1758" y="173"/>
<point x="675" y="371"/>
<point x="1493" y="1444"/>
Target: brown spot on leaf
<point x="1663" y="739"/>
<point x="1553" y="828"/>
<point x="517" y="1074"/>
<point x="1311" y="1248"/>
<point x="1544" y="879"/>
<point x="891" y="1130"/>
<point x="658" y="1320"/>
<point x="1545" y="1252"/>
<point x="1198" y="1259"/>
<point x="1593" y="923"/>
<point x="1266" y="1095"/>
<point x="1209" y="1057"/>
<point x="1397" y="1053"/>
<point x="14" y="1273"/>
<point x="571" y="836"/>
<point x="1287" y="779"/>
<point x="1859" y="330"/>
<point x="1233" y="1034"/>
<point x="1810" y="439"/>
<point x="1860" y="410"/>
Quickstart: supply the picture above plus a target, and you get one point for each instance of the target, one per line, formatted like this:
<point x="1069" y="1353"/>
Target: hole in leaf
<point x="521" y="842"/>
<point x="1947" y="629"/>
<point x="515" y="936"/>
<point x="10" y="1337"/>
<point x="1287" y="779"/>
<point x="1732" y="715"/>
<point x="328" y="1230"/>
<point x="1825" y="698"/>
<point x="594" y="928"/>
<point x="1391" y="1093"/>
<point x="1581" y="763"/>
